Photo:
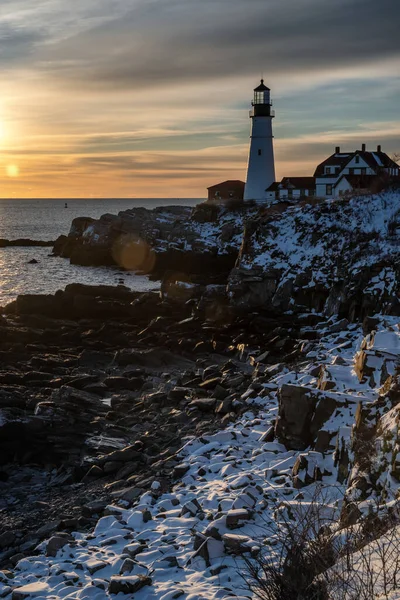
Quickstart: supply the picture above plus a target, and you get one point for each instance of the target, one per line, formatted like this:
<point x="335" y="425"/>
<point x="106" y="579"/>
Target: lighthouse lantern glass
<point x="262" y="97"/>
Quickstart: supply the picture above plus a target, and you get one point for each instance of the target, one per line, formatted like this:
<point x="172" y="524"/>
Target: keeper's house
<point x="292" y="188"/>
<point x="226" y="191"/>
<point x="360" y="170"/>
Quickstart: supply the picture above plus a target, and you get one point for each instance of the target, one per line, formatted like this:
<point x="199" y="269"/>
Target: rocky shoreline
<point x="101" y="386"/>
<point x="154" y="425"/>
<point x="26" y="242"/>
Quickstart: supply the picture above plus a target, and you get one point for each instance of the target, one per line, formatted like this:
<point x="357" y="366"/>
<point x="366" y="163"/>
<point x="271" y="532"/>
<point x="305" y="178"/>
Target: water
<point x="46" y="220"/>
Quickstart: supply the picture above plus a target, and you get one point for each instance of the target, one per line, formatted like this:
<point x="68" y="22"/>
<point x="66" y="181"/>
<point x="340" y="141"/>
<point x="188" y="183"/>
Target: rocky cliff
<point x="340" y="257"/>
<point x="232" y="414"/>
<point x="199" y="241"/>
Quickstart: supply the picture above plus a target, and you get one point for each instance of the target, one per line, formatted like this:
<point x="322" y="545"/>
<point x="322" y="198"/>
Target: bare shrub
<point x="312" y="560"/>
<point x="303" y="550"/>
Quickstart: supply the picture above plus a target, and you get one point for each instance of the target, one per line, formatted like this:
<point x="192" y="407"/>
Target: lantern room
<point x="262" y="102"/>
<point x="261" y="94"/>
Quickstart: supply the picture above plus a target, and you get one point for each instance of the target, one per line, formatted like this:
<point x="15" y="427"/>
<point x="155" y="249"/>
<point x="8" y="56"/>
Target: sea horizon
<point x="94" y="198"/>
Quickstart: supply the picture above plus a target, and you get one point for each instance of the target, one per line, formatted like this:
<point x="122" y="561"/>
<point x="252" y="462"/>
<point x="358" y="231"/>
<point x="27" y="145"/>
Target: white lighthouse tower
<point x="261" y="167"/>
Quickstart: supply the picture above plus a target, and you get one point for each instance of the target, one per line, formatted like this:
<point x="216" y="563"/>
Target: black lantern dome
<point x="262" y="101"/>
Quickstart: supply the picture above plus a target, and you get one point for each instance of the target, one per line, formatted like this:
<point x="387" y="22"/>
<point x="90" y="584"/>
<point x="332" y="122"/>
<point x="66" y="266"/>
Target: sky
<point x="150" y="98"/>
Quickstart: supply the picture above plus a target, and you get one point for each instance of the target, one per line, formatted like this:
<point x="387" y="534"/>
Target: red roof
<point x="234" y="182"/>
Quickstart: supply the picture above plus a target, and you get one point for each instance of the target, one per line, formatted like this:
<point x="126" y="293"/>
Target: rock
<point x="127" y="566"/>
<point x="154" y="358"/>
<point x="169" y="562"/>
<point x="250" y="288"/>
<point x="82" y="381"/>
<point x="126" y="454"/>
<point x="261" y="358"/>
<point x="235" y="516"/>
<point x="211" y="384"/>
<point x="31" y="591"/>
<point x="7" y="539"/>
<point x="47" y="529"/>
<point x="134" y="549"/>
<point x="350" y="514"/>
<point x="203" y="404"/>
<point x="340" y="325"/>
<point x="96" y="507"/>
<point x="123" y="383"/>
<point x="128" y="584"/>
<point x="33" y="261"/>
<point x="93" y="565"/>
<point x="111" y="466"/>
<point x="224" y="406"/>
<point x="55" y="544"/>
<point x="128" y="494"/>
<point x="192" y="508"/>
<point x="25" y="242"/>
<point x="94" y="359"/>
<point x="302" y="413"/>
<point x="206" y="547"/>
<point x="237" y="544"/>
<point x="94" y="473"/>
<point x="180" y="470"/>
<point x="268" y="436"/>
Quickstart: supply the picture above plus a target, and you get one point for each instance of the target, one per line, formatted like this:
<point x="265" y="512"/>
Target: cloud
<point x="17" y="43"/>
<point x="161" y="42"/>
<point x="112" y="97"/>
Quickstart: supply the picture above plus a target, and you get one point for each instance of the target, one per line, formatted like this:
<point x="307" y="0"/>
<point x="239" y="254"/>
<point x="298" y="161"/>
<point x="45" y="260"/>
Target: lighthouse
<point x="261" y="167"/>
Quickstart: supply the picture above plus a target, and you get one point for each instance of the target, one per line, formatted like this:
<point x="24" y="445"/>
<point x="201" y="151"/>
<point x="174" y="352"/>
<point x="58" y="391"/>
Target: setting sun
<point x="12" y="170"/>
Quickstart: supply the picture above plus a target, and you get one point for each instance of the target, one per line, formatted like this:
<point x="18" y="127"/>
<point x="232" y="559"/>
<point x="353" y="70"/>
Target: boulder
<point x="55" y="544"/>
<point x="302" y="413"/>
<point x="32" y="590"/>
<point x="122" y="584"/>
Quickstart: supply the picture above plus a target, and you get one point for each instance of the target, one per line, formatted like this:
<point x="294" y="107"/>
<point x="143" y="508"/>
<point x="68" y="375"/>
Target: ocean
<point x="46" y="220"/>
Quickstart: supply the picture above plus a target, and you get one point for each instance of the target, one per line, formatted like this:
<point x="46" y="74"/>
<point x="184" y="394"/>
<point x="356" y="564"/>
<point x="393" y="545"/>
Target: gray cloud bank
<point x="138" y="44"/>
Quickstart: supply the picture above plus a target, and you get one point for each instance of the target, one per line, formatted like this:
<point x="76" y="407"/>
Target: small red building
<point x="231" y="190"/>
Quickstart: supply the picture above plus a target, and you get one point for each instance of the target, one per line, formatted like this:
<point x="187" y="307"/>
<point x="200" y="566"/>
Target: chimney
<point x="363" y="147"/>
<point x="379" y="148"/>
<point x="337" y="150"/>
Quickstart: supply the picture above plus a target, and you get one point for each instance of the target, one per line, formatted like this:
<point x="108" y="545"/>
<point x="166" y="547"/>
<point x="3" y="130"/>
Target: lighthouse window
<point x="259" y="152"/>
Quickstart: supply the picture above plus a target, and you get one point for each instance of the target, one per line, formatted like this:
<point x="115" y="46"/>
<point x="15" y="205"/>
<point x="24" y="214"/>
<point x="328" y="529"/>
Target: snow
<point x="230" y="494"/>
<point x="322" y="239"/>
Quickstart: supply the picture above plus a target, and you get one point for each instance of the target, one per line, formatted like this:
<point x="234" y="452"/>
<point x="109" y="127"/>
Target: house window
<point x="277" y="194"/>
<point x="329" y="189"/>
<point x="259" y="152"/>
<point x="363" y="170"/>
<point x="302" y="192"/>
<point x="357" y="159"/>
<point x="328" y="170"/>
<point x="351" y="171"/>
<point x="290" y="193"/>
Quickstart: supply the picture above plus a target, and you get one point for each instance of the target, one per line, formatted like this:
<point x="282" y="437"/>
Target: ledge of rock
<point x="154" y="241"/>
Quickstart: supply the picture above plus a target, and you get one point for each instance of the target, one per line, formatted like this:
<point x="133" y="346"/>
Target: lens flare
<point x="134" y="254"/>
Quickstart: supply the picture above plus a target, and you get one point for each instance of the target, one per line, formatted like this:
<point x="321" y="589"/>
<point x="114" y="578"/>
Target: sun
<point x="12" y="170"/>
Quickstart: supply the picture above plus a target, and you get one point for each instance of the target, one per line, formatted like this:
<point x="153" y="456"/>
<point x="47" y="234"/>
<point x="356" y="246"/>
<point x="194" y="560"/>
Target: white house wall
<point x="357" y="165"/>
<point x="321" y="186"/>
<point x="342" y="186"/>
